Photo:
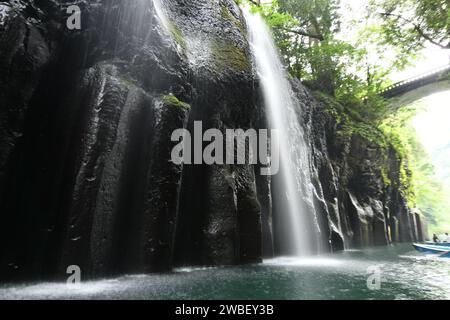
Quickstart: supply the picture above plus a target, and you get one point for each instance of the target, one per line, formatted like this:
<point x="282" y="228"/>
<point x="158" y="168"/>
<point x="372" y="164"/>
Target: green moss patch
<point x="226" y="55"/>
<point x="227" y="15"/>
<point x="177" y="35"/>
<point x="172" y="101"/>
<point x="350" y="122"/>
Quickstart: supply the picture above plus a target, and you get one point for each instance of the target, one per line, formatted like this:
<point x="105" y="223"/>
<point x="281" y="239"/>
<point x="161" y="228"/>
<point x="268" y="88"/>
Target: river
<point x="405" y="274"/>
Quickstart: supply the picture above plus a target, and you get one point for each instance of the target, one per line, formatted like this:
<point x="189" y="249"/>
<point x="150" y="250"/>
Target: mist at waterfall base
<point x="405" y="273"/>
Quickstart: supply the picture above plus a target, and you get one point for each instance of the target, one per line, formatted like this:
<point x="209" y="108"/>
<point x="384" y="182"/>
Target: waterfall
<point x="161" y="15"/>
<point x="300" y="221"/>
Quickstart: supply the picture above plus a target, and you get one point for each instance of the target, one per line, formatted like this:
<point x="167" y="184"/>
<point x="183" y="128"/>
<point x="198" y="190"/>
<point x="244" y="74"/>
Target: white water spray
<point x="281" y="106"/>
<point x="161" y="14"/>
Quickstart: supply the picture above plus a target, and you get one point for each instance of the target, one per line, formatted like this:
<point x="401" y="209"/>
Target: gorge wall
<point x="85" y="123"/>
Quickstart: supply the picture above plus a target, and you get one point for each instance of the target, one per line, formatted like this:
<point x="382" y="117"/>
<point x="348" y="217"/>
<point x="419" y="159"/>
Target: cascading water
<point x="281" y="106"/>
<point x="160" y="14"/>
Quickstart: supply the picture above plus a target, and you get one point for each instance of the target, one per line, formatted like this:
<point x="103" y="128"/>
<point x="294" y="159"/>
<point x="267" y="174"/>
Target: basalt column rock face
<point x="359" y="178"/>
<point x="86" y="118"/>
<point x="24" y="56"/>
<point x="219" y="218"/>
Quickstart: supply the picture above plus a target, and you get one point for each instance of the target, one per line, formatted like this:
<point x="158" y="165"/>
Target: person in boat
<point x="435" y="238"/>
<point x="447" y="238"/>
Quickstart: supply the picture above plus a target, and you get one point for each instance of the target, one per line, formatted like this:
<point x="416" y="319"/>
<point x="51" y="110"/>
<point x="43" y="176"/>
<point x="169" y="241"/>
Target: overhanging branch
<point x="304" y="33"/>
<point x="418" y="29"/>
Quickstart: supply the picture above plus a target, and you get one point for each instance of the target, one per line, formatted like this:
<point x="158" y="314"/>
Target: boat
<point x="443" y="244"/>
<point x="434" y="249"/>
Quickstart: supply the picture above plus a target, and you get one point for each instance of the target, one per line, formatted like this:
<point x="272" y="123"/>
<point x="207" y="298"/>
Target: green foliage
<point x="318" y="50"/>
<point x="431" y="197"/>
<point x="408" y="24"/>
<point x="384" y="175"/>
<point x="349" y="122"/>
<point x="304" y="30"/>
<point x="420" y="185"/>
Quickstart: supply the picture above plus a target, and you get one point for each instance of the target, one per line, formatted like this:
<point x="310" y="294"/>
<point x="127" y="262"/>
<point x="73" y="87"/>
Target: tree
<point x="353" y="68"/>
<point x="411" y="23"/>
<point x="304" y="30"/>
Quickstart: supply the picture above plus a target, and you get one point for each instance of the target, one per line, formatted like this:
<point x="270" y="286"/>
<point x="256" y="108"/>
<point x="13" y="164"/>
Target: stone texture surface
<point x="361" y="208"/>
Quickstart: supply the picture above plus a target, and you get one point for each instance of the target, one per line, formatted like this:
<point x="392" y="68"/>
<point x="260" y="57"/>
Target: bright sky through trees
<point x="432" y="124"/>
<point x="432" y="56"/>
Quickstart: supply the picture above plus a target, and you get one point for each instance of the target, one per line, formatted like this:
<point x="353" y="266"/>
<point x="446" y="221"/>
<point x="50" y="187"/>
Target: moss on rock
<point x="177" y="35"/>
<point x="227" y="55"/>
<point x="350" y="123"/>
<point x="172" y="101"/>
<point x="227" y="15"/>
<point x="386" y="180"/>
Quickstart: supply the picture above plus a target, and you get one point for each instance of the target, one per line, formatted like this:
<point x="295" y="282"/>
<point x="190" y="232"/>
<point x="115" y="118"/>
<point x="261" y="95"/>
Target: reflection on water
<point x="405" y="275"/>
<point x="305" y="262"/>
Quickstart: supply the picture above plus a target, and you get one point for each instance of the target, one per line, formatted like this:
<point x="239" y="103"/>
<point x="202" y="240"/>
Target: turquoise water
<point x="405" y="274"/>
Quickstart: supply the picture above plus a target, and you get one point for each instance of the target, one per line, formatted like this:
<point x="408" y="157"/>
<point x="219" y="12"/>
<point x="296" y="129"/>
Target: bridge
<point x="408" y="91"/>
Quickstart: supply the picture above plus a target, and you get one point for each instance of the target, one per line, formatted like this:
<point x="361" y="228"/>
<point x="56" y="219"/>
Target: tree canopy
<point x="408" y="23"/>
<point x="350" y="51"/>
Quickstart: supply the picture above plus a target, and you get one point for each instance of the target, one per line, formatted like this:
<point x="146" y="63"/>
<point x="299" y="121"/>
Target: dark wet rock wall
<point x="86" y="118"/>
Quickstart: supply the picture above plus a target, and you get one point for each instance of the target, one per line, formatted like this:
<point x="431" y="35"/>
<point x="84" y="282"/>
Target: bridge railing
<point x="432" y="74"/>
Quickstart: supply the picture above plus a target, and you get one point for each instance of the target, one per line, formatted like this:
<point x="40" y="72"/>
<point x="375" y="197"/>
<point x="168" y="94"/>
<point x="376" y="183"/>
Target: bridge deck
<point x="411" y="84"/>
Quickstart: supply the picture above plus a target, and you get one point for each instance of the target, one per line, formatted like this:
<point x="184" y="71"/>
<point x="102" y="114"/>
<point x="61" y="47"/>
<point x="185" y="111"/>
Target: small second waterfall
<point x="281" y="103"/>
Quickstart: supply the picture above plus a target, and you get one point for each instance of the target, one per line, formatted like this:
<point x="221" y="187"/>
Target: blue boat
<point x="432" y="248"/>
<point x="440" y="244"/>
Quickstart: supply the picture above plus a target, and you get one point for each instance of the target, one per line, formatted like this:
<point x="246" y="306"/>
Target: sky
<point x="433" y="129"/>
<point x="432" y="124"/>
<point x="432" y="58"/>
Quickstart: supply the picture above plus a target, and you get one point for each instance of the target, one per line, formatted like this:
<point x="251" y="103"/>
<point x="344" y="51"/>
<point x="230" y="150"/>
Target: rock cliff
<point x="86" y="118"/>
